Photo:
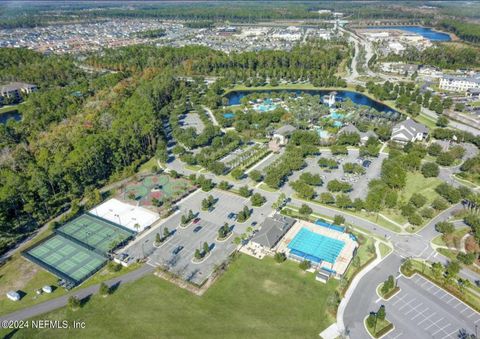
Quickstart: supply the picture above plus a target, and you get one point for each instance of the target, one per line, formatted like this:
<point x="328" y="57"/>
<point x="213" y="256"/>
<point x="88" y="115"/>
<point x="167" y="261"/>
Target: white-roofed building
<point x="132" y="217"/>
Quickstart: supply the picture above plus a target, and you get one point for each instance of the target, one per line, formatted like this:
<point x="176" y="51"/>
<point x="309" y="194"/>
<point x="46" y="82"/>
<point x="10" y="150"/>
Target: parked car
<point x="177" y="250"/>
<point x="211" y="208"/>
<point x="196" y="220"/>
<point x="366" y="163"/>
<point x="197" y="229"/>
<point x="231" y="215"/>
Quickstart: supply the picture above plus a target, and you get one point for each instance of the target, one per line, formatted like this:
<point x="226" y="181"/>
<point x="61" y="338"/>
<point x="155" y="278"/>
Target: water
<point x="426" y="32"/>
<point x="357" y="98"/>
<point x="228" y="115"/>
<point x="9" y="115"/>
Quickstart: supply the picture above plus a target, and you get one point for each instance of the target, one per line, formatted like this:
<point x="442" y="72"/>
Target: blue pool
<point x="335" y="115"/>
<point x="427" y="33"/>
<point x="228" y="115"/>
<point x="331" y="226"/>
<point x="315" y="247"/>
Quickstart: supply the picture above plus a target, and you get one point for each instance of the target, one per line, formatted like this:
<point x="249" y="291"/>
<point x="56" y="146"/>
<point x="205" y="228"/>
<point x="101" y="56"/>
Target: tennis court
<point x="66" y="259"/>
<point x="315" y="247"/>
<point x="98" y="234"/>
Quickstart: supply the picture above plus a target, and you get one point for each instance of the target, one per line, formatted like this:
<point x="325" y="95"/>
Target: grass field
<point x="416" y="182"/>
<point x="384" y="249"/>
<point x="260" y="299"/>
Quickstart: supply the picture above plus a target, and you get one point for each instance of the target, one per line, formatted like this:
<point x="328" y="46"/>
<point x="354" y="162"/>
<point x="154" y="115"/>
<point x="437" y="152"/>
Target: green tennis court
<point x="95" y="232"/>
<point x="66" y="259"/>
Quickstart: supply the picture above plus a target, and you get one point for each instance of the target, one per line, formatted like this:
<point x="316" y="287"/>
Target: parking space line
<point x="399" y="299"/>
<point x="450" y="334"/>
<point x="413" y="308"/>
<point x="426" y="318"/>
<point x="434" y="323"/>
<point x="406" y="304"/>
<point x="442" y="329"/>
<point x="445" y="295"/>
<point x="421" y="313"/>
<point x="397" y="336"/>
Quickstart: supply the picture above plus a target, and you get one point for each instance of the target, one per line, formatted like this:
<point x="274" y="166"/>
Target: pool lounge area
<point x="315" y="247"/>
<point x="327" y="247"/>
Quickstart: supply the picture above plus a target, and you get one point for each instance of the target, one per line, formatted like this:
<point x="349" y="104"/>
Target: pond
<point x="426" y="32"/>
<point x="9" y="115"/>
<point x="358" y="98"/>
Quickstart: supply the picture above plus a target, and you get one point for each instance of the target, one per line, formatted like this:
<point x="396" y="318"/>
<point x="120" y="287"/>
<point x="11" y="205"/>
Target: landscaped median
<point x="388" y="288"/>
<point x="377" y="324"/>
<point x="445" y="277"/>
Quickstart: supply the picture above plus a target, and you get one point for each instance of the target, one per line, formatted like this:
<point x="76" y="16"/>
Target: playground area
<point x="98" y="234"/>
<point x="66" y="259"/>
<point x="155" y="190"/>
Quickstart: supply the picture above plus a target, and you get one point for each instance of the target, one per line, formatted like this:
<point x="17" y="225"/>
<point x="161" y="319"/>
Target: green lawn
<point x="384" y="249"/>
<point x="20" y="274"/>
<point x="458" y="233"/>
<point x="416" y="183"/>
<point x="260" y="299"/>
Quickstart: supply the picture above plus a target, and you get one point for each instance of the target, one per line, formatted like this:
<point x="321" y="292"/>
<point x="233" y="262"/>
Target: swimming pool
<point x="228" y="115"/>
<point x="315" y="247"/>
<point x="331" y="226"/>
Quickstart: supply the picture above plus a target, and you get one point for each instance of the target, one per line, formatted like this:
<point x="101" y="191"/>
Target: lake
<point x="9" y="115"/>
<point x="426" y="32"/>
<point x="358" y="98"/>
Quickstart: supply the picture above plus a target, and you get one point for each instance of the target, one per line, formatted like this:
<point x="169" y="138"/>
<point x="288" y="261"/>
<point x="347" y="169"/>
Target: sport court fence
<point x="71" y="282"/>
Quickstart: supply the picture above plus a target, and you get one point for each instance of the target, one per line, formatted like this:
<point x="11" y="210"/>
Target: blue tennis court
<point x="315" y="247"/>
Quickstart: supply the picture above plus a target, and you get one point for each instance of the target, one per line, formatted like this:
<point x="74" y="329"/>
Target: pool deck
<point x="345" y="255"/>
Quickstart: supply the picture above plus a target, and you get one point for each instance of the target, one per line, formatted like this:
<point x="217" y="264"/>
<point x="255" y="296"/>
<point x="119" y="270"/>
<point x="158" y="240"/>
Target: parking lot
<point x="189" y="240"/>
<point x="192" y="120"/>
<point x="423" y="310"/>
<point x="359" y="182"/>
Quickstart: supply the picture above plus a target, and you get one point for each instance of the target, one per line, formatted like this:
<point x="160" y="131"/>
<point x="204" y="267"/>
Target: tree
<point x="338" y="219"/>
<point x="166" y="232"/>
<point x="430" y="170"/>
<point x="304" y="265"/>
<point x="206" y="248"/>
<point x="224" y="185"/>
<point x="237" y="173"/>
<point x="280" y="257"/>
<point x="371" y="319"/>
<point x="445" y="159"/>
<point x="255" y="175"/>
<point x="73" y="303"/>
<point x="197" y="254"/>
<point x="244" y="191"/>
<point x="444" y="227"/>
<point x="257" y="199"/>
<point x="393" y="174"/>
<point x="381" y="314"/>
<point x="158" y="239"/>
<point x="434" y="149"/>
<point x="305" y="210"/>
<point x="418" y="200"/>
<point x="104" y="290"/>
<point x="327" y="198"/>
<point x="452" y="269"/>
<point x="442" y="121"/>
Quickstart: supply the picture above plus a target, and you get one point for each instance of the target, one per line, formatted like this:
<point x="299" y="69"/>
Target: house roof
<point x="285" y="130"/>
<point x="349" y="128"/>
<point x="409" y="127"/>
<point x="272" y="230"/>
<point x="368" y="134"/>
